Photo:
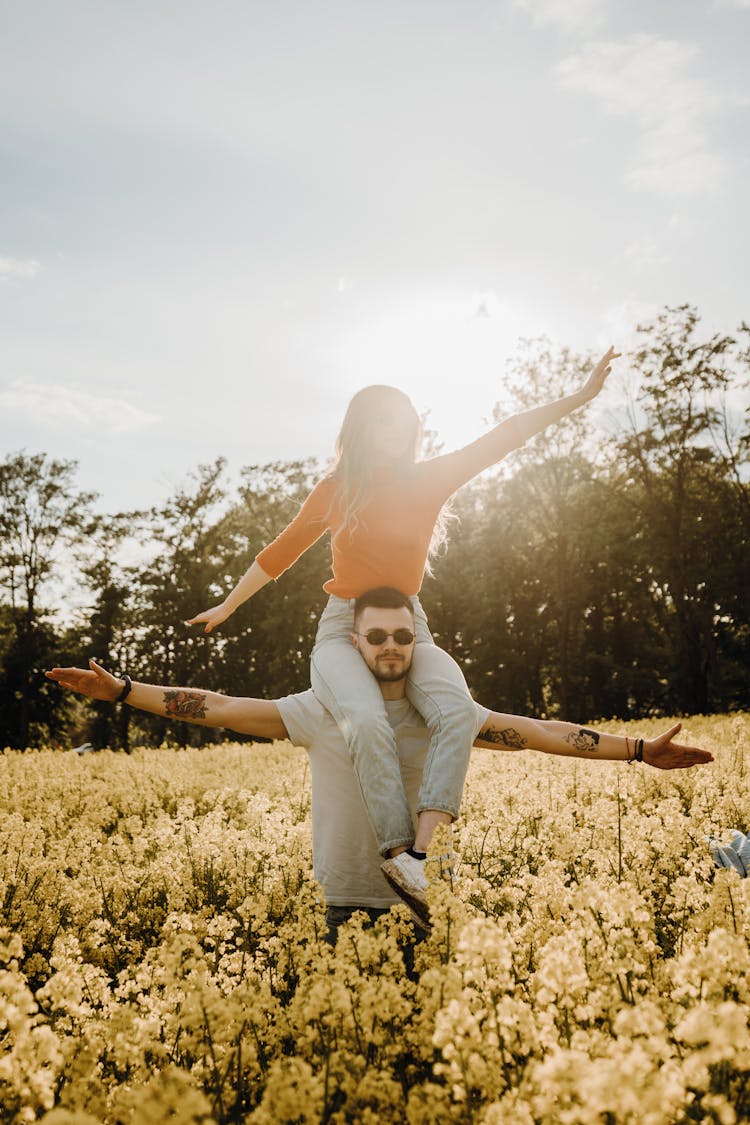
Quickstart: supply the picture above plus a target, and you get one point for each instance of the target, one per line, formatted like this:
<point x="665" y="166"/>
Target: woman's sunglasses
<point x="378" y="636"/>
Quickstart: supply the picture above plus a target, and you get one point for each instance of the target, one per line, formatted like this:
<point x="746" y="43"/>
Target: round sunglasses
<point x="379" y="636"/>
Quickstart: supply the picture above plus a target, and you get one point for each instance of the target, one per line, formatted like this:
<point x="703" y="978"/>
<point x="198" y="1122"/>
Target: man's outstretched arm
<point x="258" y="717"/>
<point x="514" y="732"/>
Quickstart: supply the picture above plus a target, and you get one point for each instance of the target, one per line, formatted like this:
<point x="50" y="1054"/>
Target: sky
<point x="219" y="220"/>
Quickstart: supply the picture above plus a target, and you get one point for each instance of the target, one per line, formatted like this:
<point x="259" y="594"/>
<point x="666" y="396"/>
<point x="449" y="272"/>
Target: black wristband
<point x="126" y="690"/>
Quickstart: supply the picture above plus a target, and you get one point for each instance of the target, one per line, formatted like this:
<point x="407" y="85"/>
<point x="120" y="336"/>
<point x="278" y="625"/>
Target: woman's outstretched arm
<point x="457" y="468"/>
<point x="304" y="530"/>
<point x="254" y="579"/>
<point x="533" y="421"/>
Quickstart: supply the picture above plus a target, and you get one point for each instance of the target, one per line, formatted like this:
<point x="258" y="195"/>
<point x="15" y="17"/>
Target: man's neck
<point x="392" y="689"/>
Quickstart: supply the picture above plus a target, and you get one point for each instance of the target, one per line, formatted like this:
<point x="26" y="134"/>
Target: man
<point x="346" y="861"/>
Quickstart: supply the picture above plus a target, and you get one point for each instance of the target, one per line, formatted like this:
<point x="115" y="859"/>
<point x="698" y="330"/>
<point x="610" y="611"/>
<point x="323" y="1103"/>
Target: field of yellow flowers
<point x="162" y="955"/>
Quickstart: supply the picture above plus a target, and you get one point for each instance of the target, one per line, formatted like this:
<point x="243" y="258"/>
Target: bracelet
<point x="637" y="752"/>
<point x="126" y="689"/>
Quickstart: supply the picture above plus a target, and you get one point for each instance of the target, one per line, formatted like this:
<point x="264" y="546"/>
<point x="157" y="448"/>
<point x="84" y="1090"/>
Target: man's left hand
<point x="664" y="754"/>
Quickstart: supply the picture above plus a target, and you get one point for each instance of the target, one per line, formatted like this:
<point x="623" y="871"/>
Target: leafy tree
<point x="108" y="629"/>
<point x="185" y="543"/>
<point x="42" y="517"/>
<point x="685" y="493"/>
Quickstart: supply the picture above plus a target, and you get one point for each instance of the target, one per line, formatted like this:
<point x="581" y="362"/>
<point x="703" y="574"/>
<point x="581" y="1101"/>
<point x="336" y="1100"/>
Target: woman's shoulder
<point x="321" y="496"/>
<point x="434" y="467"/>
<point x="326" y="486"/>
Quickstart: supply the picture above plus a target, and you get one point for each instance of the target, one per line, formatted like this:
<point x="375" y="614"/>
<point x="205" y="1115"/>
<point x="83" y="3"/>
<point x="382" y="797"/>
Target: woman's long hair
<point x="354" y="466"/>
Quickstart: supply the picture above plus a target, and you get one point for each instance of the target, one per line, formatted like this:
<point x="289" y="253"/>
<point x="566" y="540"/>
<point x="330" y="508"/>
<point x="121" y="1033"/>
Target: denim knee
<point x="364" y="723"/>
<point x="457" y="713"/>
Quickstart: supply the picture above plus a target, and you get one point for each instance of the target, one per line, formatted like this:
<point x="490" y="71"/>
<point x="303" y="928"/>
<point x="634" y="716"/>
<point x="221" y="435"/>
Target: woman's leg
<point x="345" y="686"/>
<point x="437" y="689"/>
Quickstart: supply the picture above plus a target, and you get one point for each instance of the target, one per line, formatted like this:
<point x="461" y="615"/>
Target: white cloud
<point x="14" y="269"/>
<point x="648" y="80"/>
<point x="743" y="5"/>
<point x="55" y="404"/>
<point x="567" y="14"/>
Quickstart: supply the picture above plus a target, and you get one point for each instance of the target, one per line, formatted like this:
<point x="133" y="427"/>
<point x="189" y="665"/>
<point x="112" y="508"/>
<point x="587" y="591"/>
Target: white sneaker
<point x="726" y="855"/>
<point x="407" y="876"/>
<point x="741" y="845"/>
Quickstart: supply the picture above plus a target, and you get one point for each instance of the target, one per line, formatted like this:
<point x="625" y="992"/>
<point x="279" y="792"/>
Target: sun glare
<point x="447" y="351"/>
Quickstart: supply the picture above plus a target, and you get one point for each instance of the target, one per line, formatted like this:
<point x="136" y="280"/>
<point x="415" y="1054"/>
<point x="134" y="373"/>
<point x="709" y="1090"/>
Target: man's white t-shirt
<point x="346" y="861"/>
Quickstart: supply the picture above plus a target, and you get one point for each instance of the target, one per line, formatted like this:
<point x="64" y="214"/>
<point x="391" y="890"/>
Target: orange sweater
<point x="392" y="540"/>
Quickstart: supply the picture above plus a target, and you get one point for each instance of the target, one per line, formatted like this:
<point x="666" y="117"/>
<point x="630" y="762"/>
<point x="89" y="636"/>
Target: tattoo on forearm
<point x="583" y="739"/>
<point x="185" y="704"/>
<point x="508" y="737"/>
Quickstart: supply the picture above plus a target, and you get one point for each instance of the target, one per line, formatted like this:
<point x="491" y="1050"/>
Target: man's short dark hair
<point x="383" y="597"/>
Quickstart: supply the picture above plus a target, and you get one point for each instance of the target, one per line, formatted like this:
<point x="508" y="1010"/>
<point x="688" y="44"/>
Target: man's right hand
<point x="211" y="617"/>
<point x="95" y="683"/>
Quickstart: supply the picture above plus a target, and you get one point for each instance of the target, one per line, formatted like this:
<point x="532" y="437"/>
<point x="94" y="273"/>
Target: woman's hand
<point x="254" y="579"/>
<point x="598" y="376"/>
<point x="211" y="617"/>
<point x="664" y="754"/>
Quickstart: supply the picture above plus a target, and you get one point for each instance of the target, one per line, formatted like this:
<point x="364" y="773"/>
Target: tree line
<point x="593" y="574"/>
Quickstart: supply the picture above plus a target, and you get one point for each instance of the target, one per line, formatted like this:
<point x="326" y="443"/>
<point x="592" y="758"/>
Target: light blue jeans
<point x="436" y="688"/>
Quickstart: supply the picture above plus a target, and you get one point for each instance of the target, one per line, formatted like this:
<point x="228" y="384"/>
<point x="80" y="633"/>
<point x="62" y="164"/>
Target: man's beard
<point x="398" y="670"/>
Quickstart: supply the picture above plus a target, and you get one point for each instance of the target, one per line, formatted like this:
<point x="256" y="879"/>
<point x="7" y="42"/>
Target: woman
<point x="383" y="509"/>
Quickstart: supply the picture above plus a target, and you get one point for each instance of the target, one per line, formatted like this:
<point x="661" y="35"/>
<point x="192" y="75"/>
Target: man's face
<point x="388" y="661"/>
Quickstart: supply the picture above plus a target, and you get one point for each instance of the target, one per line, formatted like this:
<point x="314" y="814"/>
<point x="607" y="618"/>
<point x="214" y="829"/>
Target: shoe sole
<point x="411" y="895"/>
